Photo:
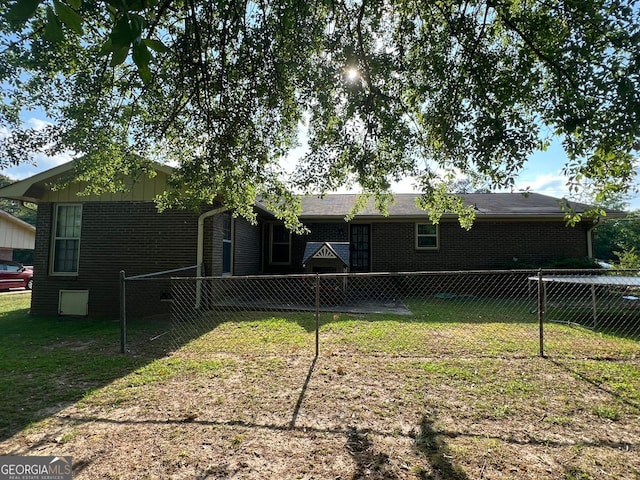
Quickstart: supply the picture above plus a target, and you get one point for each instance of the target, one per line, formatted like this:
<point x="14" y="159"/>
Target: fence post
<point x="541" y="302"/>
<point x="123" y="313"/>
<point x="593" y="306"/>
<point x="317" y="315"/>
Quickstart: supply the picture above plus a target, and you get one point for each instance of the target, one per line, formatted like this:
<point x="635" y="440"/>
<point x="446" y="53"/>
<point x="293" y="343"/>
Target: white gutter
<point x="200" y="248"/>
<point x="201" y="219"/>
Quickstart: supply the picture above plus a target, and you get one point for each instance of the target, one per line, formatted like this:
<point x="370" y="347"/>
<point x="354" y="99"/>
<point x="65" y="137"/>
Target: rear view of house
<point x="83" y="242"/>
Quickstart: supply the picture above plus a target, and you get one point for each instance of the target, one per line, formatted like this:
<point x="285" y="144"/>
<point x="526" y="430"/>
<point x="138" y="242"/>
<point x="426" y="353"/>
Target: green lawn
<point x="436" y="327"/>
<point x="418" y="396"/>
<point x="50" y="362"/>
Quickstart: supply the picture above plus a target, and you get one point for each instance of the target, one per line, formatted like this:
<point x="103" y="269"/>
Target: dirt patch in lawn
<point x="217" y="416"/>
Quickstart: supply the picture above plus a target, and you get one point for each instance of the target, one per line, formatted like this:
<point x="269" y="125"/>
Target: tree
<point x="619" y="238"/>
<point x="384" y="89"/>
<point x="467" y="185"/>
<point x="25" y="213"/>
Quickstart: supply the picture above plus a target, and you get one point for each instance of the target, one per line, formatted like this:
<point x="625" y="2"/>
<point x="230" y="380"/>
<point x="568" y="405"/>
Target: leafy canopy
<point x="384" y="89"/>
<point x="618" y="237"/>
<point x="26" y="213"/>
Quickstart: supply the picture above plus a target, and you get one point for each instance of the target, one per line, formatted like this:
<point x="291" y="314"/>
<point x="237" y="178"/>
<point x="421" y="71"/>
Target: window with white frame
<point x="227" y="243"/>
<point x="427" y="236"/>
<point x="280" y="252"/>
<point x="65" y="252"/>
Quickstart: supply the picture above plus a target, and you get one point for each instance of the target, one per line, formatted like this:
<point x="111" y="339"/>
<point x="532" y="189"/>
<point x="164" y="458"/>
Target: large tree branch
<point x="500" y="8"/>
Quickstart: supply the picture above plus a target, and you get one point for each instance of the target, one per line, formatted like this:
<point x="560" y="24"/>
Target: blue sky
<point x="542" y="173"/>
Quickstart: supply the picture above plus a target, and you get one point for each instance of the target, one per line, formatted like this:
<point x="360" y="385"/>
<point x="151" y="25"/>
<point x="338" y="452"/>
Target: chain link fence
<point x="581" y="314"/>
<point x="591" y="314"/>
<point x="145" y="308"/>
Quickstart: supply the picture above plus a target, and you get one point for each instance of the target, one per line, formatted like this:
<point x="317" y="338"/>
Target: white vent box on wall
<point x="73" y="303"/>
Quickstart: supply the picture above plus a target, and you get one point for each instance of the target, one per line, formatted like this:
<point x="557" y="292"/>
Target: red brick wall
<point x="214" y="248"/>
<point x="138" y="239"/>
<point x="247" y="258"/>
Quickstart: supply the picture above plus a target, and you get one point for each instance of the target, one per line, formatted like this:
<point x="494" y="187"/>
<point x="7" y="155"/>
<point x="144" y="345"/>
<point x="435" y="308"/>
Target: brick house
<point x="83" y="242"/>
<point x="527" y="228"/>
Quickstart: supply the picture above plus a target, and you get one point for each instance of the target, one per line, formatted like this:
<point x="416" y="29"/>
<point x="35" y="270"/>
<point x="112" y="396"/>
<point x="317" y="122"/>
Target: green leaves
<point x="141" y="58"/>
<point x="156" y="45"/>
<point x="22" y="10"/>
<point x="68" y="16"/>
<point x="224" y="89"/>
<point x="53" y="28"/>
<point x="127" y="35"/>
<point x="127" y="30"/>
<point x="61" y="14"/>
<point x="119" y="56"/>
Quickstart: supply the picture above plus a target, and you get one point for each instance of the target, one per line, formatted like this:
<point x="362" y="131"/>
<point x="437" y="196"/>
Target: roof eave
<point x="31" y="189"/>
<point x="417" y="217"/>
<point x="24" y="190"/>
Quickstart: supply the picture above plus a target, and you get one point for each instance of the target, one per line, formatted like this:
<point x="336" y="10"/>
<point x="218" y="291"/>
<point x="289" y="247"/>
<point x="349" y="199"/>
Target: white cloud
<point x="37" y="123"/>
<point x="42" y="162"/>
<point x="554" y="185"/>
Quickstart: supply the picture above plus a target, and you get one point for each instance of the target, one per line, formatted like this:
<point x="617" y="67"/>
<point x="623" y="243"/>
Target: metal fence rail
<point x="587" y="313"/>
<point x="604" y="304"/>
<point x="145" y="307"/>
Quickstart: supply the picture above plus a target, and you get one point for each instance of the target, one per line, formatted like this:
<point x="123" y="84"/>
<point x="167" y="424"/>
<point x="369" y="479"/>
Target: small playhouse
<point x="326" y="257"/>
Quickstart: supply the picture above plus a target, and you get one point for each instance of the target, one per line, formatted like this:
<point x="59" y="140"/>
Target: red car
<point x="15" y="275"/>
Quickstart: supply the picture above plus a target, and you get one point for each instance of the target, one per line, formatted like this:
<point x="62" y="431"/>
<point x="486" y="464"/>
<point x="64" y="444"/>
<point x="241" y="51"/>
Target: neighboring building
<point x="82" y="243"/>
<point x="15" y="234"/>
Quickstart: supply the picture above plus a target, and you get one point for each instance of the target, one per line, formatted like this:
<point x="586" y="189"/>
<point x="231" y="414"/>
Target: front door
<point x="360" y="248"/>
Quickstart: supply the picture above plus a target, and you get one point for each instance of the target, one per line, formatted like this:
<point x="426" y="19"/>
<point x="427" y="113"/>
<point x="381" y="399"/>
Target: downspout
<point x="200" y="249"/>
<point x="597" y="222"/>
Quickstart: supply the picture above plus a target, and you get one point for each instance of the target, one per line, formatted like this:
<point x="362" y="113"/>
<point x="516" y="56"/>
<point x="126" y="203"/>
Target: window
<point x="227" y="244"/>
<point x="426" y="236"/>
<point x="66" y="240"/>
<point x="10" y="267"/>
<point x="280" y="245"/>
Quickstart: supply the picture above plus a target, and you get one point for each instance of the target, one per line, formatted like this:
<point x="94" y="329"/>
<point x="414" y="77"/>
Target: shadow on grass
<point x="49" y="363"/>
<point x="369" y="463"/>
<point x="303" y="391"/>
<point x="435" y="449"/>
<point x="598" y="382"/>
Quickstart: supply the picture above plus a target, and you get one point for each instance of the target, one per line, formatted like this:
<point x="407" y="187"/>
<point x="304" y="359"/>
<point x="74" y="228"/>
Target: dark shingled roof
<point x="340" y="249"/>
<point x="485" y="204"/>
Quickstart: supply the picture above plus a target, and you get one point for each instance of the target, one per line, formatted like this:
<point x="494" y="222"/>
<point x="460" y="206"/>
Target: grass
<point x="461" y="326"/>
<point x="420" y="396"/>
<point x="51" y="362"/>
